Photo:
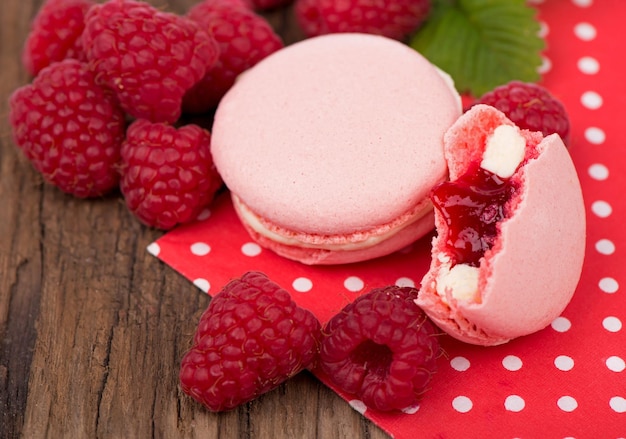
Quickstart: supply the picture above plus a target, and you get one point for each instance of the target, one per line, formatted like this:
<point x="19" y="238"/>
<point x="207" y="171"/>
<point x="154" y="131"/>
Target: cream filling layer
<point x="348" y="242"/>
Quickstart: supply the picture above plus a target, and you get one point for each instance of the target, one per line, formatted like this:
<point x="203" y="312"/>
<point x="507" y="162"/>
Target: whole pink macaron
<point x="331" y="145"/>
<point x="529" y="272"/>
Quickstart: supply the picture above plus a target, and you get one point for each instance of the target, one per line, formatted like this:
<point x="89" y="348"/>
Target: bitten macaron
<point x="488" y="288"/>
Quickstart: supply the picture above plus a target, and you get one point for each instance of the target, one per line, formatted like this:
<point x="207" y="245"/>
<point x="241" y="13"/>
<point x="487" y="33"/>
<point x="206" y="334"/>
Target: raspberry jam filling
<point x="472" y="205"/>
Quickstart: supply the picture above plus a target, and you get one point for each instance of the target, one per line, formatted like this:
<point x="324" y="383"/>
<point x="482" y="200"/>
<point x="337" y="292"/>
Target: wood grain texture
<point x="93" y="328"/>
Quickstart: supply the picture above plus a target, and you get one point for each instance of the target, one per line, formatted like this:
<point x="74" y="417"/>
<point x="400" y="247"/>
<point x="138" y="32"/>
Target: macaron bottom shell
<point x="340" y="249"/>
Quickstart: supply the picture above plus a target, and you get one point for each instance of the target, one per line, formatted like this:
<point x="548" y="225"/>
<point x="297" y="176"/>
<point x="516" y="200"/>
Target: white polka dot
<point x="462" y="404"/>
<point x="514" y="403"/>
<point x="601" y="208"/>
<point x="358" y="405"/>
<point x="605" y="247"/>
<point x="585" y="31"/>
<point x="612" y="324"/>
<point x="615" y="364"/>
<point x="588" y="65"/>
<point x="598" y="171"/>
<point x="251" y="249"/>
<point x="512" y="363"/>
<point x="564" y="363"/>
<point x="200" y="248"/>
<point x="561" y="324"/>
<point x="411" y="410"/>
<point x="608" y="285"/>
<point x="591" y="100"/>
<point x="595" y="135"/>
<point x="154" y="249"/>
<point x="203" y="284"/>
<point x="405" y="282"/>
<point x="618" y="404"/>
<point x="302" y="285"/>
<point x="204" y="215"/>
<point x="545" y="66"/>
<point x="567" y="403"/>
<point x="544" y="29"/>
<point x="353" y="284"/>
<point x="583" y="3"/>
<point x="460" y="363"/>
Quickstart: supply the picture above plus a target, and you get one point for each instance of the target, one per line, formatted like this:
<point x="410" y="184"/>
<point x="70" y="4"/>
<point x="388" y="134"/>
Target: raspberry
<point x="69" y="128"/>
<point x="148" y="57"/>
<point x="381" y="348"/>
<point x="168" y="175"/>
<point x="55" y="34"/>
<point x="394" y="19"/>
<point x="244" y="39"/>
<point x="251" y="338"/>
<point x="530" y="107"/>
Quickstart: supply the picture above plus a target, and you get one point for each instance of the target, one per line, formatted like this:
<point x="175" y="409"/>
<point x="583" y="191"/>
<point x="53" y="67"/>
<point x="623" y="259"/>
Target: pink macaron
<point x="529" y="270"/>
<point x="331" y="145"/>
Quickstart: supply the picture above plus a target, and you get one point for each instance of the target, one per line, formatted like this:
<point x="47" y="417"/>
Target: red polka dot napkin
<point x="568" y="380"/>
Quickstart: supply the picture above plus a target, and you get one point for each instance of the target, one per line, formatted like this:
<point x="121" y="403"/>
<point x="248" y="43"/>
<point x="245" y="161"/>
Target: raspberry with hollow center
<point x="251" y="338"/>
<point x="69" y="128"/>
<point x="530" y="106"/>
<point x="168" y="175"/>
<point x="244" y="39"/>
<point x="148" y="57"/>
<point x="56" y="34"/>
<point x="381" y="348"/>
<point x="394" y="19"/>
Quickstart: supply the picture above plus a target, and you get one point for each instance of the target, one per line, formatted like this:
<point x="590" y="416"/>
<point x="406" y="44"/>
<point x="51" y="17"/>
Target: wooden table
<point x="93" y="328"/>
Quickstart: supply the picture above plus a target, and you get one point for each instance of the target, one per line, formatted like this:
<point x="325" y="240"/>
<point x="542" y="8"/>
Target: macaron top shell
<point x="335" y="134"/>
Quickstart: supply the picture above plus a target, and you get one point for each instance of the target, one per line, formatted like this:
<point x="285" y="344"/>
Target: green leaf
<point x="482" y="43"/>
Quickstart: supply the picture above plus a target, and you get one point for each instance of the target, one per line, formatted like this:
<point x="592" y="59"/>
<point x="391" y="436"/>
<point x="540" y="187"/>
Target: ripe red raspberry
<point x="168" y="175"/>
<point x="148" y="57"/>
<point x="530" y="107"/>
<point x="244" y="39"/>
<point x="69" y="128"/>
<point x="394" y="19"/>
<point x="251" y="338"/>
<point x="55" y="34"/>
<point x="381" y="348"/>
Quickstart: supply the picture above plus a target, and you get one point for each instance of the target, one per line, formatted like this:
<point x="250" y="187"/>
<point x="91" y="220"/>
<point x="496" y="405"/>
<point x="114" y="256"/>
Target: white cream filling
<point x="504" y="152"/>
<point x="461" y="281"/>
<point x="253" y="221"/>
